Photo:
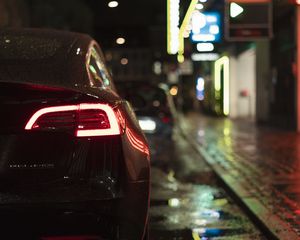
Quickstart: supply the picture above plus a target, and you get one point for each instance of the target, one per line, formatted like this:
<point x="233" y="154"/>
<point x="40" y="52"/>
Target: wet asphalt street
<point x="188" y="201"/>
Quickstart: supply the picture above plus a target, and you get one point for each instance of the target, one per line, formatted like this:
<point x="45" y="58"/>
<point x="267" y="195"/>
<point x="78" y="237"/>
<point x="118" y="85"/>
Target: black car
<point x="156" y="114"/>
<point x="73" y="160"/>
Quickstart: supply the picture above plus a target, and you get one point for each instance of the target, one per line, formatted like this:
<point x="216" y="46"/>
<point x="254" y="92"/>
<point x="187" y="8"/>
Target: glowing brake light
<point x="87" y="119"/>
<point x="112" y="127"/>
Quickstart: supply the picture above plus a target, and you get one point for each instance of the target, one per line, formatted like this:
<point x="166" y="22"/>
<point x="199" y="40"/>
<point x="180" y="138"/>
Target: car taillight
<point x="96" y="120"/>
<point x="166" y="119"/>
<point x="87" y="119"/>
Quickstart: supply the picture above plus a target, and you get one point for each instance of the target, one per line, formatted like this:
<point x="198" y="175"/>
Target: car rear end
<point x="59" y="148"/>
<point x="73" y="161"/>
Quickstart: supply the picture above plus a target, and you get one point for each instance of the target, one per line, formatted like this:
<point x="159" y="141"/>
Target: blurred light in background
<point x="226" y="131"/>
<point x="201" y="222"/>
<point x="124" y="61"/>
<point x="163" y="86"/>
<point x="200" y="88"/>
<point x="205" y="47"/>
<point x="157" y="68"/>
<point x="156" y="103"/>
<point x="196" y="232"/>
<point x="174" y="202"/>
<point x="222" y="67"/>
<point x="172" y="26"/>
<point x="235" y="10"/>
<point x="206" y="27"/>
<point x="203" y="1"/>
<point x="180" y="58"/>
<point x="199" y="6"/>
<point x="201" y="133"/>
<point x="214" y="29"/>
<point x="186" y="20"/>
<point x="187" y="30"/>
<point x="205" y="57"/>
<point x="198" y="22"/>
<point x="186" y="33"/>
<point x="120" y="40"/>
<point x="174" y="90"/>
<point x="147" y="125"/>
<point x="113" y="4"/>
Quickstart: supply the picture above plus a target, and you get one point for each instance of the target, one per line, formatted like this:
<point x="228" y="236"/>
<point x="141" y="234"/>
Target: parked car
<point x="73" y="159"/>
<point x="156" y="114"/>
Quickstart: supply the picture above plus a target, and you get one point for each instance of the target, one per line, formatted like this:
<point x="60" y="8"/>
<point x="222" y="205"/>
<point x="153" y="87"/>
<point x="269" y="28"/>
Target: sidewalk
<point x="260" y="166"/>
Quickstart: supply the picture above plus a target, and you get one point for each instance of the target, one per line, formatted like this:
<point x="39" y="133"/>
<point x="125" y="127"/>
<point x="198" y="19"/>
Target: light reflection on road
<point x="187" y="203"/>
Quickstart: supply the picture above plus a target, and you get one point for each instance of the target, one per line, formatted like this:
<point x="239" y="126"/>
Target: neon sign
<point x="206" y="27"/>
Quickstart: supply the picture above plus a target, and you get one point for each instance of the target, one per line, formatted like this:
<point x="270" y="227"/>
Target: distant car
<point x="155" y="111"/>
<point x="73" y="159"/>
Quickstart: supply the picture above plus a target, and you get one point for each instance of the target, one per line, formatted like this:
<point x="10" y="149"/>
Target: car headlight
<point x="147" y="125"/>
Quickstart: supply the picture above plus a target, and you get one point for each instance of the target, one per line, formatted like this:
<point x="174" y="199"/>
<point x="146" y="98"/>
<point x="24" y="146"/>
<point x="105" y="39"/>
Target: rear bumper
<point x="63" y="191"/>
<point x="126" y="215"/>
<point x="33" y="221"/>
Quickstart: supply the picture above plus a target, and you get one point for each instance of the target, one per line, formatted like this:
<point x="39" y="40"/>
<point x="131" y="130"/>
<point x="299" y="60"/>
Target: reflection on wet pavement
<point x="264" y="161"/>
<point x="187" y="203"/>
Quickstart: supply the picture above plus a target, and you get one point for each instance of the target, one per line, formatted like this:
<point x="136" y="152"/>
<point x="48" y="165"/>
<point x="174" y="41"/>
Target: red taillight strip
<point x="43" y="111"/>
<point x="135" y="142"/>
<point x="134" y="139"/>
<point x="121" y="119"/>
<point x="114" y="125"/>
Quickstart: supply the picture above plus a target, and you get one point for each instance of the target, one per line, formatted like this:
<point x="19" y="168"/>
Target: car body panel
<point x="53" y="166"/>
<point x="156" y="114"/>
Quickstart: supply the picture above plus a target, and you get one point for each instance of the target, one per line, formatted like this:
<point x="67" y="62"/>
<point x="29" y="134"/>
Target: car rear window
<point x="27" y="48"/>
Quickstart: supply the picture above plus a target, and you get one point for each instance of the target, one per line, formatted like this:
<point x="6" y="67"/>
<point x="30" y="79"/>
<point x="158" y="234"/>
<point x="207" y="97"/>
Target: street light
<point x="113" y="4"/>
<point x="120" y="40"/>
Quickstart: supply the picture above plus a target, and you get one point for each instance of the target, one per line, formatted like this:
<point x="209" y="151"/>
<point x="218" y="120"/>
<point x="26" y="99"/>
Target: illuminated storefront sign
<point x="205" y="47"/>
<point x="247" y="20"/>
<point x="235" y="10"/>
<point x="222" y="75"/>
<point x="183" y="28"/>
<point x="204" y="56"/>
<point x="175" y="32"/>
<point x="206" y="27"/>
<point x="172" y="26"/>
